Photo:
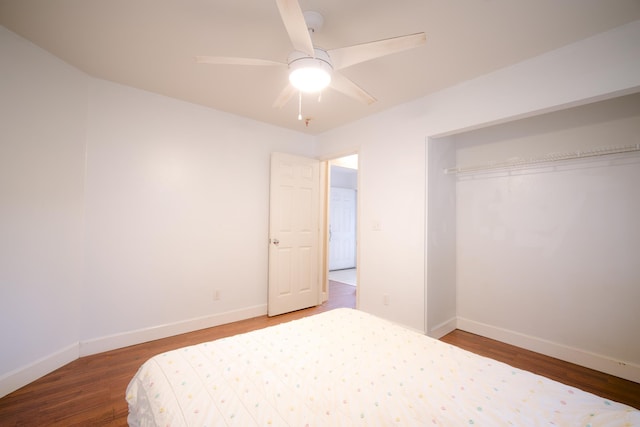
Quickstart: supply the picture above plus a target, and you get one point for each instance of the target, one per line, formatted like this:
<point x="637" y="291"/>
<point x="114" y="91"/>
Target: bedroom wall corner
<point x="177" y="208"/>
<point x="13" y="380"/>
<point x="42" y="166"/>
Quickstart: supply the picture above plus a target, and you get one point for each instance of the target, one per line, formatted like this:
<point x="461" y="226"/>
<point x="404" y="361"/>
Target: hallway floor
<point x="348" y="276"/>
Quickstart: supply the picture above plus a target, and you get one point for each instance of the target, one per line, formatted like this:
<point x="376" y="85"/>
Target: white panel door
<point x="293" y="233"/>
<point x="342" y="228"/>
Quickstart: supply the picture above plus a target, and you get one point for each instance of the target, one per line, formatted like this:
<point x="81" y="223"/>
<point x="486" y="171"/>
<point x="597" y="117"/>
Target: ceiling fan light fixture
<point x="309" y="74"/>
<point x="309" y="79"/>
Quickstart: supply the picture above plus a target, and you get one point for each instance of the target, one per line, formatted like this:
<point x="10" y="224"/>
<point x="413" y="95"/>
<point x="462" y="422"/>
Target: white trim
<point x="618" y="368"/>
<point x="13" y="380"/>
<point x="443" y="328"/>
<point x="125" y="339"/>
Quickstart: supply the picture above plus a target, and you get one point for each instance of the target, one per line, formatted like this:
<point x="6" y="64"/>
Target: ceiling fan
<point x="311" y="69"/>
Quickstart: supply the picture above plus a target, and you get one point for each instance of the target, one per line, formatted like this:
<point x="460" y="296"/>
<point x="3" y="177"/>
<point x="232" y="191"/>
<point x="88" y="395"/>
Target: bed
<point x="345" y="367"/>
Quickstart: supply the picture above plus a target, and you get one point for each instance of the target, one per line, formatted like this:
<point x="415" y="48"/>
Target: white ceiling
<point x="151" y="45"/>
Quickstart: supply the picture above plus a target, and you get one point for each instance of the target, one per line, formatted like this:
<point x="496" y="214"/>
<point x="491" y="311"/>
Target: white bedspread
<point x="348" y="368"/>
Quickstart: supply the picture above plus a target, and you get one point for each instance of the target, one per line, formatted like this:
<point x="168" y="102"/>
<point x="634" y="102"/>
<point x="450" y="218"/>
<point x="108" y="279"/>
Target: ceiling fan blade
<point x="227" y="60"/>
<point x="351" y="55"/>
<point x="349" y="88"/>
<point x="296" y="26"/>
<point x="284" y="96"/>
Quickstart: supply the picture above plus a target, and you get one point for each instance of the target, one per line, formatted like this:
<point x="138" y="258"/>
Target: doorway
<point x="342" y="221"/>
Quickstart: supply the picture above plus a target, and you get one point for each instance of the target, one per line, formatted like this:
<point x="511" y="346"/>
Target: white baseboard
<point x="20" y="377"/>
<point x="125" y="339"/>
<point x="443" y="328"/>
<point x="11" y="381"/>
<point x="618" y="368"/>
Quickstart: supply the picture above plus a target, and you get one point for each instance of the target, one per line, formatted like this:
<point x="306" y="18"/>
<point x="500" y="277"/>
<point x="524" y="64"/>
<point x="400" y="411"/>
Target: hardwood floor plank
<point x="91" y="390"/>
<point x="607" y="386"/>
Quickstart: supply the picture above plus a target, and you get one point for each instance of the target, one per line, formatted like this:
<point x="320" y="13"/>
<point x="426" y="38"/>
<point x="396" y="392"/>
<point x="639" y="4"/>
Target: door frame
<point x="325" y="188"/>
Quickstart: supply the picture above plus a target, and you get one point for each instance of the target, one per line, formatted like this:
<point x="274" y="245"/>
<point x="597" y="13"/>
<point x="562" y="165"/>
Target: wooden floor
<point x="604" y="385"/>
<point x="90" y="390"/>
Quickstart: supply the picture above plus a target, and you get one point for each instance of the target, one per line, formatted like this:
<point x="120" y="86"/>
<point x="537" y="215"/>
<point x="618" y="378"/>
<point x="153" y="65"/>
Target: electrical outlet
<point x="385" y="299"/>
<point x="216" y="295"/>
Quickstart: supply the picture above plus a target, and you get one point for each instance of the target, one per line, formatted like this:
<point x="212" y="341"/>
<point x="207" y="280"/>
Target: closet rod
<point x="547" y="158"/>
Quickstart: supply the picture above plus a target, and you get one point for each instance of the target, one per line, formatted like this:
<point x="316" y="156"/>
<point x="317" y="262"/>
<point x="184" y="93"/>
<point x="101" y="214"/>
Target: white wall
<point x="172" y="205"/>
<point x="550" y="253"/>
<point x="342" y="177"/>
<point x="441" y="238"/>
<point x="177" y="207"/>
<point x="391" y="199"/>
<point x="42" y="131"/>
<point x="393" y="169"/>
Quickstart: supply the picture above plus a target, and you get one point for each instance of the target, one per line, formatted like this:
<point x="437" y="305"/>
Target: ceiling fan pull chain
<point x="300" y="105"/>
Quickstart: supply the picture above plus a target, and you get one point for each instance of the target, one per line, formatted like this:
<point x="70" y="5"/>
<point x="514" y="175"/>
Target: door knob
<point x="276" y="242"/>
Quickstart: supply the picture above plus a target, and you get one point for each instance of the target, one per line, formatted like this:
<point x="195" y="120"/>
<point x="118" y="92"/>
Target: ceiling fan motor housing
<point x="310" y="74"/>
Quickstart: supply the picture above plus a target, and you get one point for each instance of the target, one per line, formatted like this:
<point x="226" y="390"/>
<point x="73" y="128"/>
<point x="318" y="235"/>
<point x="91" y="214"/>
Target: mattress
<point x="348" y="368"/>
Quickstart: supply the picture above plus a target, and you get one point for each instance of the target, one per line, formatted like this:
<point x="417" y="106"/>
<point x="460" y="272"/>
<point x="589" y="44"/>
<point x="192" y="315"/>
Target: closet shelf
<point x="554" y="157"/>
